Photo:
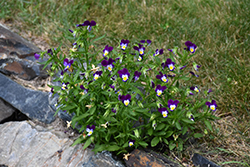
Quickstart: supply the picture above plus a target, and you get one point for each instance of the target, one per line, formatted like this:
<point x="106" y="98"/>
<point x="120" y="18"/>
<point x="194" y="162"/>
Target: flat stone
<point x="6" y="110"/>
<point x="139" y="158"/>
<point x="29" y="146"/>
<point x="34" y="104"/>
<point x="17" y="56"/>
<point x="200" y="161"/>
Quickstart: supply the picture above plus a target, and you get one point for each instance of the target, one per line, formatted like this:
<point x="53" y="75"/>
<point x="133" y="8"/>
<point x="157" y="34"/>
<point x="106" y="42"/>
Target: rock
<point x="102" y="159"/>
<point x="6" y="110"/>
<point x="139" y="158"/>
<point x="200" y="161"/>
<point x="24" y="145"/>
<point x="17" y="56"/>
<point x="34" y="104"/>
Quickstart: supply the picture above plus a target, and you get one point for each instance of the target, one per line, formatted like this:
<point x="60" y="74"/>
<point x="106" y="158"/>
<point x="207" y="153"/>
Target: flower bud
<point x="153" y="116"/>
<point x="140" y="104"/>
<point x="137" y="133"/>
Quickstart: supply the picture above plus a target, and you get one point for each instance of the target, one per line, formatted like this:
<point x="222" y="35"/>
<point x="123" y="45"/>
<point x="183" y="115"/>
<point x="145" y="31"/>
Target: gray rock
<point x="35" y="146"/>
<point x="34" y="104"/>
<point x="200" y="161"/>
<point x="6" y="110"/>
<point x="17" y="56"/>
<point x="102" y="159"/>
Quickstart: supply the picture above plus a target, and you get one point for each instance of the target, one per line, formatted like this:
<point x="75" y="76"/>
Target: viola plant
<point x="117" y="104"/>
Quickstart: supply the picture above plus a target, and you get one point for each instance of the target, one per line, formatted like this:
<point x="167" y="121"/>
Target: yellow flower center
<point x="67" y="66"/>
<point x="96" y="77"/>
<point x="105" y="54"/>
<point x="191" y="49"/>
<point x="212" y="107"/>
<point x="126" y="102"/>
<point x="141" y="52"/>
<point x="125" y="78"/>
<point x="159" y="93"/>
<point x="172" y="107"/>
<point x="164" y="115"/>
<point x="164" y="80"/>
<point x="171" y="67"/>
<point x="130" y="144"/>
<point x="90" y="133"/>
<point x="109" y="68"/>
<point x="123" y="47"/>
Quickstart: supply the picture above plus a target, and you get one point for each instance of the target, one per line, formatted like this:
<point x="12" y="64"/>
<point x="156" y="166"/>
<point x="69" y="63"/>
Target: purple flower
<point x="124" y="74"/>
<point x="137" y="74"/>
<point x="190" y="46"/>
<point x="170" y="64"/>
<point x="157" y="52"/>
<point x="108" y="64"/>
<point x="125" y="99"/>
<point x="152" y="84"/>
<point x="196" y="67"/>
<point x="50" y="52"/>
<point x="162" y="77"/>
<point x="90" y="129"/>
<point x="107" y="50"/>
<point x="148" y="41"/>
<point x="164" y="112"/>
<point x="112" y="86"/>
<point x="84" y="89"/>
<point x="131" y="142"/>
<point x="114" y="110"/>
<point x="159" y="89"/>
<point x="51" y="92"/>
<point x="71" y="31"/>
<point x="124" y="43"/>
<point x="172" y="104"/>
<point x="210" y="90"/>
<point x="67" y="63"/>
<point x="89" y="24"/>
<point x="97" y="74"/>
<point x="37" y="56"/>
<point x="212" y="105"/>
<point x="140" y="58"/>
<point x="64" y="86"/>
<point x="195" y="89"/>
<point x="171" y="75"/>
<point x="193" y="74"/>
<point x="182" y="67"/>
<point x="191" y="117"/>
<point x="140" y="49"/>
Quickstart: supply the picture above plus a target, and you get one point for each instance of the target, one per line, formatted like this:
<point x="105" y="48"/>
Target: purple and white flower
<point x="170" y="64"/>
<point x="164" y="112"/>
<point x="126" y="99"/>
<point x="137" y="74"/>
<point x="212" y="105"/>
<point x="157" y="52"/>
<point x="108" y="63"/>
<point x="140" y="49"/>
<point x="159" y="89"/>
<point x="190" y="46"/>
<point x="90" y="129"/>
<point x="97" y="74"/>
<point x="67" y="63"/>
<point x="124" y="43"/>
<point x="64" y="86"/>
<point x="84" y="89"/>
<point x="162" y="77"/>
<point x="106" y="50"/>
<point x="195" y="88"/>
<point x="191" y="72"/>
<point x="172" y="104"/>
<point x="88" y="23"/>
<point x="124" y="74"/>
<point x="131" y="143"/>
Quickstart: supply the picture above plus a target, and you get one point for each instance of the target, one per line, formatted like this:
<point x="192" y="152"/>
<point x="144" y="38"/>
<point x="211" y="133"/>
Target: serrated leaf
<point x="87" y="143"/>
<point x="209" y="126"/>
<point x="198" y="135"/>
<point x="155" y="141"/>
<point x="178" y="126"/>
<point x="143" y="144"/>
<point x="113" y="148"/>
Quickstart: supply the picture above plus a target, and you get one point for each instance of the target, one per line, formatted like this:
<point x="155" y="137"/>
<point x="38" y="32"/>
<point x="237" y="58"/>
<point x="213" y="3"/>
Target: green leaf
<point x="169" y="133"/>
<point x="79" y="140"/>
<point x="155" y="141"/>
<point x="160" y="127"/>
<point x="113" y="148"/>
<point x="161" y="133"/>
<point x="92" y="110"/>
<point x="99" y="148"/>
<point x="150" y="132"/>
<point x="143" y="144"/>
<point x="184" y="130"/>
<point x="83" y="97"/>
<point x="68" y="108"/>
<point x="165" y="141"/>
<point x="87" y="143"/>
<point x="187" y="121"/>
<point x="185" y="78"/>
<point x="198" y="135"/>
<point x="172" y="146"/>
<point x="209" y="126"/>
<point x="97" y="39"/>
<point x="76" y="75"/>
<point x="178" y="126"/>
